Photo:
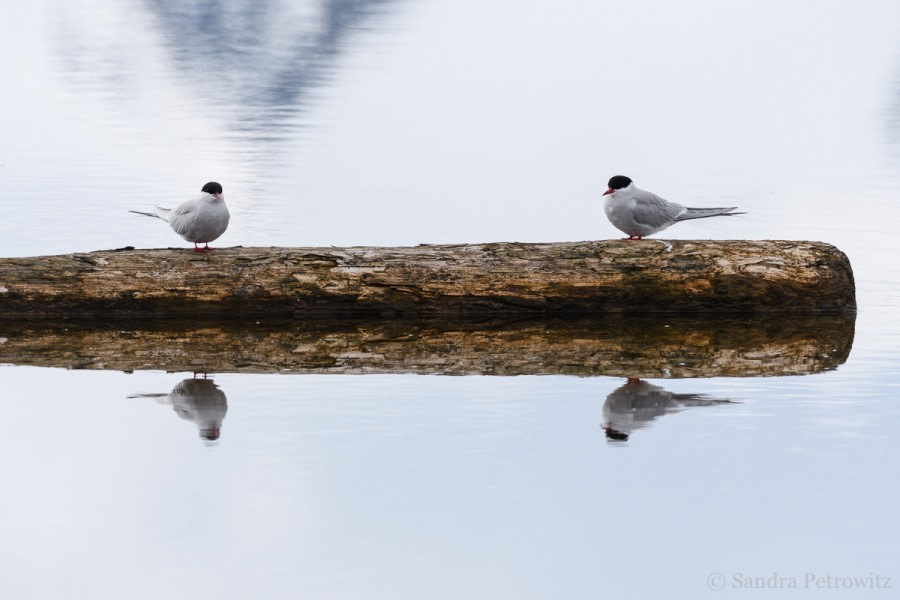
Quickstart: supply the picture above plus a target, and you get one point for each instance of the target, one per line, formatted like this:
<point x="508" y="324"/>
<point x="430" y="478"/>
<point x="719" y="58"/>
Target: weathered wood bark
<point x="460" y="282"/>
<point x="616" y="346"/>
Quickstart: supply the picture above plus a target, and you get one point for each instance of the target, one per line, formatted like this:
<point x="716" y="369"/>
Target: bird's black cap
<point x="210" y="434"/>
<point x="212" y="188"/>
<point x="617" y="182"/>
<point x="615" y="434"/>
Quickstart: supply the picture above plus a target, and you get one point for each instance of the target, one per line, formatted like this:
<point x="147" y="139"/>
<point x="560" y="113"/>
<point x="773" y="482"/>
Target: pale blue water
<point x="412" y="121"/>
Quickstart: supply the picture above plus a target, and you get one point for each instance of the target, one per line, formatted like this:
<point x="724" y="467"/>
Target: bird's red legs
<point x="634" y="237"/>
<point x="197" y="249"/>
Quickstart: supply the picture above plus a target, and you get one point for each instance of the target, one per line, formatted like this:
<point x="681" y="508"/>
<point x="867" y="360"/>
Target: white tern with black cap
<point x="640" y="213"/>
<point x="199" y="220"/>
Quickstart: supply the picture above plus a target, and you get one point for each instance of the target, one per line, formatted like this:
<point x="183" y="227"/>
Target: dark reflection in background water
<point x="251" y="63"/>
<point x="259" y="58"/>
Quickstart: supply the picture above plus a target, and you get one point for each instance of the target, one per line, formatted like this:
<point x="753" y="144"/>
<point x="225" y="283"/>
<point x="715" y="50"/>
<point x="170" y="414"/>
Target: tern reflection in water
<point x="637" y="403"/>
<point x="198" y="400"/>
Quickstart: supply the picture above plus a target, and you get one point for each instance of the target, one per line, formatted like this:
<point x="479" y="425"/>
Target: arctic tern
<point x="640" y="213"/>
<point x="199" y="220"/>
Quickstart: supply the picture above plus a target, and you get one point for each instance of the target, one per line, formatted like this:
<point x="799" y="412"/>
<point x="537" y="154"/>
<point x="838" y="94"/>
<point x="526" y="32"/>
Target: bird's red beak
<point x="218" y="196"/>
<point x="608" y="192"/>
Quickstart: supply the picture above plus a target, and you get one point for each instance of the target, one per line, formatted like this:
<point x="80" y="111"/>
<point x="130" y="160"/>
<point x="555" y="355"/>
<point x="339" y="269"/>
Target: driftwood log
<point x="458" y="282"/>
<point x="655" y="347"/>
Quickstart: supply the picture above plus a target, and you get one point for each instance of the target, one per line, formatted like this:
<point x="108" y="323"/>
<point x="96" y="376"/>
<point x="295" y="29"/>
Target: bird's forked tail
<point x="702" y="213"/>
<point x="161" y="213"/>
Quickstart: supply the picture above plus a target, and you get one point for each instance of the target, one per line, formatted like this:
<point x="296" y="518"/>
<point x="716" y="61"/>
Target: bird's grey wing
<point x="183" y="218"/>
<point x="650" y="209"/>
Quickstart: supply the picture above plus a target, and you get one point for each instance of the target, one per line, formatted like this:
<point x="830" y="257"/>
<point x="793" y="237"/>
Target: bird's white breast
<point x="200" y="220"/>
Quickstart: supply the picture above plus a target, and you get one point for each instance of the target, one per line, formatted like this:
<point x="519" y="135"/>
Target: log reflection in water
<point x="623" y="347"/>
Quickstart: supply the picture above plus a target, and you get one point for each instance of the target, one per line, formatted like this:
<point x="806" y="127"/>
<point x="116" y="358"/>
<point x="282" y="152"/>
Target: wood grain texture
<point x="658" y="347"/>
<point x="449" y="281"/>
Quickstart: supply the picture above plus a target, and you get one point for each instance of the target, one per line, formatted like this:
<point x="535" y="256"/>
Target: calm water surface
<point x="397" y="122"/>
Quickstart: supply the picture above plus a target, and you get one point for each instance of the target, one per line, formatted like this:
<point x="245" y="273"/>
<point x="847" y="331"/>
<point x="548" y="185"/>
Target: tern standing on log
<point x="640" y="213"/>
<point x="199" y="220"/>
